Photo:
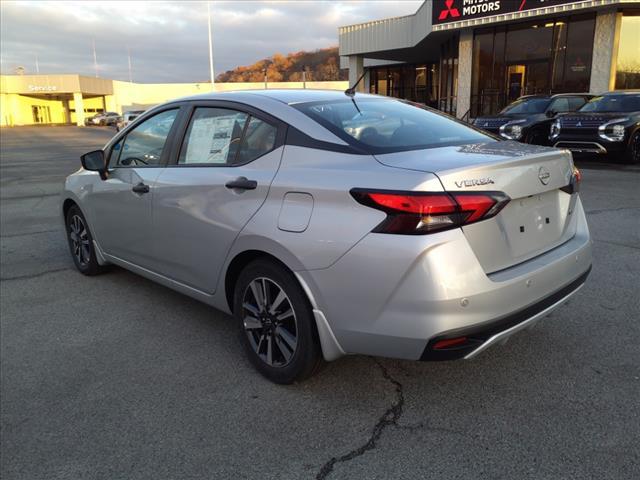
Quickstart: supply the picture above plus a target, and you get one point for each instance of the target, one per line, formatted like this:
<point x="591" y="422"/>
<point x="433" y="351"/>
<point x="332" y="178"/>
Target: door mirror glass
<point x="93" y="161"/>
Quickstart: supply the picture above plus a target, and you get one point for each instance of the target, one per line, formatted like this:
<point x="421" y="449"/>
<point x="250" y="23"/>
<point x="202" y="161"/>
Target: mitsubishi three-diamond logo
<point x="449" y="10"/>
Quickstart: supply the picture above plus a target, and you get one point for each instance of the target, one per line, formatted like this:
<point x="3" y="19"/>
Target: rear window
<point x="384" y="126"/>
<point x="613" y="103"/>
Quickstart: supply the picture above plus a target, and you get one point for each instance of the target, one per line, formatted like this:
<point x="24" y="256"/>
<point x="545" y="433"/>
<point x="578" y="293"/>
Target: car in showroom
<point x="127" y="117"/>
<point x="528" y="118"/>
<point x="103" y="119"/>
<point x="607" y="124"/>
<point x="325" y="237"/>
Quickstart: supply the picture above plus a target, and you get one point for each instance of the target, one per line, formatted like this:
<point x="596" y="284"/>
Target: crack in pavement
<point x="603" y="210"/>
<point x="389" y="418"/>
<point x="34" y="275"/>
<point x="617" y="244"/>
<point x="27" y="234"/>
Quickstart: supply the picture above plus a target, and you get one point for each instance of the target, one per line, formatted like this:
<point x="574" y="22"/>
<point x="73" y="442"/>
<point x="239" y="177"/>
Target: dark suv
<point x="609" y="123"/>
<point x="528" y="118"/>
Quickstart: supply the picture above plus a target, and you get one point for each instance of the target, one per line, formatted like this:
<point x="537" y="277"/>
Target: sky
<point x="168" y="40"/>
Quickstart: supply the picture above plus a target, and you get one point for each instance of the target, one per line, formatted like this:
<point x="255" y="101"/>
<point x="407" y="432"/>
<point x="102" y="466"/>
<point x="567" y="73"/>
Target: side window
<point x="259" y="138"/>
<point x="143" y="145"/>
<point x="560" y="105"/>
<point x="213" y="137"/>
<point x="576" y="102"/>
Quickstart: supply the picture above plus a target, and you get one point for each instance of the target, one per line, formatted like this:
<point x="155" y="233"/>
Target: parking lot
<point x="114" y="376"/>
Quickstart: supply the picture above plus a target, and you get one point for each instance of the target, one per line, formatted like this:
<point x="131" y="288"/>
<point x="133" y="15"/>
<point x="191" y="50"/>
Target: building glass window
<point x="552" y="56"/>
<point x="628" y="62"/>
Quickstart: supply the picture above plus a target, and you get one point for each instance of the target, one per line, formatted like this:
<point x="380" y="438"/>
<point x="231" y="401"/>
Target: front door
<point x="121" y="204"/>
<point x="221" y="178"/>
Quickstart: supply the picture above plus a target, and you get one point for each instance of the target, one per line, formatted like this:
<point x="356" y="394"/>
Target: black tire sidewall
<point x="307" y="356"/>
<point x="632" y="155"/>
<point x="92" y="268"/>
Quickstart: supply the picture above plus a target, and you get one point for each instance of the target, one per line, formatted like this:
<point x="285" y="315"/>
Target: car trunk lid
<point x="538" y="217"/>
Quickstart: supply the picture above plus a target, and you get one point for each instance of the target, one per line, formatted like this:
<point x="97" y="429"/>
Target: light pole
<point x="129" y="61"/>
<point x="95" y="57"/>
<point x="210" y="46"/>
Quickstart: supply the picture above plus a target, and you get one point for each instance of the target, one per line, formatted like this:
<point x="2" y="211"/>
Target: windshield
<point x="389" y="125"/>
<point x="613" y="103"/>
<point x="527" y="105"/>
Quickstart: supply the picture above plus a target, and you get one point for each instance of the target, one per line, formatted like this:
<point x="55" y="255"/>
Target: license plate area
<point x="535" y="223"/>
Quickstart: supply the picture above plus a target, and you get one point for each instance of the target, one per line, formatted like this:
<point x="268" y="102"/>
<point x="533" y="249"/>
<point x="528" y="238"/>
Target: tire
<point x="632" y="155"/>
<point x="81" y="243"/>
<point x="536" y="137"/>
<point x="282" y="347"/>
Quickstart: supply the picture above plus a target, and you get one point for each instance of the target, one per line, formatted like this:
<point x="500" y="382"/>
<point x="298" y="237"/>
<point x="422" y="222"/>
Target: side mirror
<point x="551" y="113"/>
<point x="94" y="162"/>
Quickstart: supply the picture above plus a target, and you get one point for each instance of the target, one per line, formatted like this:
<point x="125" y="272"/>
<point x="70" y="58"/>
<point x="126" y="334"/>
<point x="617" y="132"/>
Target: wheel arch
<point x="329" y="345"/>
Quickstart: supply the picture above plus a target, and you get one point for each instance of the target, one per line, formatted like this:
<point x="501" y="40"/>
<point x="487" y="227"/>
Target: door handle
<point x="140" y="188"/>
<point x="242" y="183"/>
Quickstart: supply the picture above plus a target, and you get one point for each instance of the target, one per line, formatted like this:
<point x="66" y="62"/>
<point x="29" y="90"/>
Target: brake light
<point x="574" y="184"/>
<point x="577" y="174"/>
<point x="419" y="213"/>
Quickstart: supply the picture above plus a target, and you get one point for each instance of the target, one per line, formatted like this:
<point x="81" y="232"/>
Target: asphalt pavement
<point x="115" y="377"/>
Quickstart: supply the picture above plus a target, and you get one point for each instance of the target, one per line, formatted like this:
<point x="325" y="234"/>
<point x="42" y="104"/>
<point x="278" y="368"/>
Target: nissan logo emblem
<point x="544" y="175"/>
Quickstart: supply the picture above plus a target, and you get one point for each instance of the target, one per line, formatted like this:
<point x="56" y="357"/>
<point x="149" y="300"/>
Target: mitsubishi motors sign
<point x="447" y="11"/>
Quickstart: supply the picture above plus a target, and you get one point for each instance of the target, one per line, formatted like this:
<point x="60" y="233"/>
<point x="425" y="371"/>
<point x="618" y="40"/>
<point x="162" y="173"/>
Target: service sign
<point x="448" y="11"/>
<point x="42" y="88"/>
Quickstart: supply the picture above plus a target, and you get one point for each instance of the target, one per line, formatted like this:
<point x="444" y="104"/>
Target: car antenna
<point x="351" y="91"/>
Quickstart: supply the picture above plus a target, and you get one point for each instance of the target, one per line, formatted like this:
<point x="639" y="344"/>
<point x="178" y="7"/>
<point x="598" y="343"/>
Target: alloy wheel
<point x="79" y="237"/>
<point x="270" y="322"/>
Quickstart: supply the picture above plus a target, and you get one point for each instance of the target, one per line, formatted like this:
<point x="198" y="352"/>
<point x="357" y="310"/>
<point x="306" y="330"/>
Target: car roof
<point x="621" y="92"/>
<point x="556" y="95"/>
<point x="287" y="96"/>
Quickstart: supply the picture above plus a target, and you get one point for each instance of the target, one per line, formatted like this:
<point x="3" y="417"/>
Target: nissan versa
<point x="333" y="223"/>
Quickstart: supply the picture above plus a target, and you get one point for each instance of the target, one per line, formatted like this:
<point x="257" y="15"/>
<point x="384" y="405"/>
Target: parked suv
<point x="609" y="123"/>
<point x="127" y="118"/>
<point x="528" y="118"/>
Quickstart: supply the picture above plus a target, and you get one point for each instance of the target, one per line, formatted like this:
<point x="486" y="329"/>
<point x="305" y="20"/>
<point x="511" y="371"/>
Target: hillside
<point x="321" y="65"/>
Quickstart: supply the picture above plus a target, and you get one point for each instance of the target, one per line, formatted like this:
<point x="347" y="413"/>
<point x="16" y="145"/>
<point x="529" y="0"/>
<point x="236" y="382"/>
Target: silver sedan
<point x="331" y="223"/>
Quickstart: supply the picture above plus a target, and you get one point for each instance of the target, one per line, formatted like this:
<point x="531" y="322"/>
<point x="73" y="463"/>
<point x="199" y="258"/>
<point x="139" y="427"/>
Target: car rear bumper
<point x="395" y="296"/>
<point x="480" y="337"/>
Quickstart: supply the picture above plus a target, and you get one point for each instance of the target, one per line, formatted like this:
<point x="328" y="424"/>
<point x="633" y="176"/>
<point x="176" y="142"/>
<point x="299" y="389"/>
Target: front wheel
<point x="633" y="149"/>
<point x="81" y="243"/>
<point x="277" y="324"/>
<point x="536" y="137"/>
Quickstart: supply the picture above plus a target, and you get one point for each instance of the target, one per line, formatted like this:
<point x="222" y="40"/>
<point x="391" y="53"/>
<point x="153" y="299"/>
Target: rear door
<point x="217" y="181"/>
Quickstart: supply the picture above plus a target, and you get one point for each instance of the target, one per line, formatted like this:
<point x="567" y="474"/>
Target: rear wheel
<point x="277" y="324"/>
<point x="633" y="149"/>
<point x="81" y="243"/>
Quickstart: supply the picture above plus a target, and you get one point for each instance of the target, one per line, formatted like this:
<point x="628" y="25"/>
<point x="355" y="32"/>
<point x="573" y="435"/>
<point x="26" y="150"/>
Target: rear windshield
<point x="527" y="105"/>
<point x="613" y="103"/>
<point x="384" y="126"/>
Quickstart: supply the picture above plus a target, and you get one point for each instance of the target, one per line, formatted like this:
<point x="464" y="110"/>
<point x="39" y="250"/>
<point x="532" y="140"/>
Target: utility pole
<point x="37" y="65"/>
<point x="304" y="77"/>
<point x="95" y="58"/>
<point x="210" y="46"/>
<point x="129" y="60"/>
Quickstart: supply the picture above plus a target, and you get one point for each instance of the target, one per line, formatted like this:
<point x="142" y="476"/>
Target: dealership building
<point x="473" y="57"/>
<point x="70" y="99"/>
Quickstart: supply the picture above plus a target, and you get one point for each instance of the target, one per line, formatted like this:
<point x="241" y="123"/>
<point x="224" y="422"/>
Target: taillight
<point x="419" y="213"/>
<point x="574" y="184"/>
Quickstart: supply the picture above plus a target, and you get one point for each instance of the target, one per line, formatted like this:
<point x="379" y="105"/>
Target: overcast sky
<point x="168" y="40"/>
